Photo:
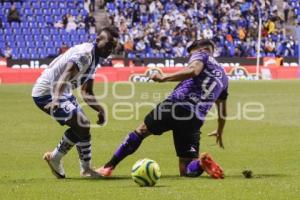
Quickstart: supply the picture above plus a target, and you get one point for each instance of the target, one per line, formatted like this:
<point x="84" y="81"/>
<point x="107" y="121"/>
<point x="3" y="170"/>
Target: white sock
<point x="85" y="154"/>
<point x="64" y="146"/>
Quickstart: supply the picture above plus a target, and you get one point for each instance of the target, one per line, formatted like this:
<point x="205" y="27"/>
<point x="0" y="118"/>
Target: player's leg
<point x="151" y="125"/>
<point x="186" y="144"/>
<point x="64" y="146"/>
<point x="128" y="147"/>
<point x="80" y="125"/>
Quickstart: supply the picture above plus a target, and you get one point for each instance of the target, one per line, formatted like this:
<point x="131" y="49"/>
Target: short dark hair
<point x="201" y="43"/>
<point x="112" y="30"/>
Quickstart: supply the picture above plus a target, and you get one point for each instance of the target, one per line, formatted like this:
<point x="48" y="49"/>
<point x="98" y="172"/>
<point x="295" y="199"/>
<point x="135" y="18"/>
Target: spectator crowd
<point x="165" y="27"/>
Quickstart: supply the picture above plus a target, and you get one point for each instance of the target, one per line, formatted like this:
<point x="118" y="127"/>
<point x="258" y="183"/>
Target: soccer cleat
<point x="105" y="171"/>
<point x="210" y="166"/>
<point x="55" y="166"/>
<point x="89" y="173"/>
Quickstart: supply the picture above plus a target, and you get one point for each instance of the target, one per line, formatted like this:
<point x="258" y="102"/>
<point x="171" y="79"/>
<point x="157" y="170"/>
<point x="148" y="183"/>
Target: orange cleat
<point x="211" y="167"/>
<point x="105" y="171"/>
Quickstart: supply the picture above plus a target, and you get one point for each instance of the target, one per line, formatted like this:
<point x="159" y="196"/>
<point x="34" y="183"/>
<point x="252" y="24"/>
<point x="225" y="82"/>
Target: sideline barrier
<point x="140" y="74"/>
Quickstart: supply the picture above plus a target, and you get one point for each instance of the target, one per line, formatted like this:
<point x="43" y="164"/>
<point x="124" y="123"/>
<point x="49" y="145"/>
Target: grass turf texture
<point x="270" y="148"/>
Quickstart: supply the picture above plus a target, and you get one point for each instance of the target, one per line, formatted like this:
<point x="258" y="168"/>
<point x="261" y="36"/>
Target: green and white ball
<point x="145" y="172"/>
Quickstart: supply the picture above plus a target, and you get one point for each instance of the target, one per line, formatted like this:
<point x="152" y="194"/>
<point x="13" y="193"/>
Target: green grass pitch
<point x="269" y="147"/>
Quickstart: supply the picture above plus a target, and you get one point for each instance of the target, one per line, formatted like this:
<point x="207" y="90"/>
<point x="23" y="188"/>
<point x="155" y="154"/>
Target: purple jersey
<point x="198" y="94"/>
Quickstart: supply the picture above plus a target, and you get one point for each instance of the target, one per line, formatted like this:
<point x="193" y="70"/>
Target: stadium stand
<point x="162" y="28"/>
<point x="38" y="34"/>
<point x="159" y="28"/>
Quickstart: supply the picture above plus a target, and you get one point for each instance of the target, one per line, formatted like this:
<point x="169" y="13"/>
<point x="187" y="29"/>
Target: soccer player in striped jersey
<point x="52" y="93"/>
<point x="202" y="84"/>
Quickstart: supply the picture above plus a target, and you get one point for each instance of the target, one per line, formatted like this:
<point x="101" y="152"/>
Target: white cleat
<point x="55" y="166"/>
<point x="89" y="173"/>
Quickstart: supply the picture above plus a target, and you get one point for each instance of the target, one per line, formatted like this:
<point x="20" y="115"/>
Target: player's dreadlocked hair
<point x="112" y="30"/>
<point x="201" y="43"/>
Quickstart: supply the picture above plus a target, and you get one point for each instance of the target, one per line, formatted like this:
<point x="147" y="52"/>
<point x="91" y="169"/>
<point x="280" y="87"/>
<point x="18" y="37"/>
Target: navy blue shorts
<point x="67" y="108"/>
<point x="186" y="133"/>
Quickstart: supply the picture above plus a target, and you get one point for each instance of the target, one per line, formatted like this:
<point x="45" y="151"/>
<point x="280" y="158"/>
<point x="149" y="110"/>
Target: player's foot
<point x="55" y="165"/>
<point x="210" y="166"/>
<point x="105" y="171"/>
<point x="89" y="173"/>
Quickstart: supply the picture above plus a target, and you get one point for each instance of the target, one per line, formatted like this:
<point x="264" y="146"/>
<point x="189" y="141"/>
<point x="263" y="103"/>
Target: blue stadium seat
<point x="38" y="12"/>
<point x="11" y="43"/>
<point x="45" y="5"/>
<point x="15" y="25"/>
<point x="25" y="55"/>
<point x="47" y="11"/>
<point x="40" y="18"/>
<point x="53" y="31"/>
<point x="26" y="31"/>
<point x="65" y="37"/>
<point x="35" y="31"/>
<point x="131" y="55"/>
<point x="17" y="31"/>
<point x="58" y="43"/>
<point x="36" y="5"/>
<point x="9" y="38"/>
<point x="30" y="18"/>
<point x="39" y="44"/>
<point x="33" y="24"/>
<point x="49" y="44"/>
<point x="51" y="51"/>
<point x="28" y="38"/>
<point x="28" y="11"/>
<point x="45" y="31"/>
<point x="43" y="55"/>
<point x="26" y="5"/>
<point x="144" y="19"/>
<point x="56" y="11"/>
<point x="6" y="5"/>
<point x="8" y="31"/>
<point x="21" y="44"/>
<point x="49" y="19"/>
<point x="34" y="56"/>
<point x="53" y="5"/>
<point x="23" y="50"/>
<point x="74" y="12"/>
<point x="32" y="50"/>
<point x="111" y="6"/>
<point x="16" y="56"/>
<point x="2" y="45"/>
<point x="29" y="44"/>
<point x="56" y="38"/>
<point x="38" y="38"/>
<point x="24" y="24"/>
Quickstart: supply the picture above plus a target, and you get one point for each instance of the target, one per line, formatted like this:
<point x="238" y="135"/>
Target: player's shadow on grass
<point x="100" y="178"/>
<point x="255" y="176"/>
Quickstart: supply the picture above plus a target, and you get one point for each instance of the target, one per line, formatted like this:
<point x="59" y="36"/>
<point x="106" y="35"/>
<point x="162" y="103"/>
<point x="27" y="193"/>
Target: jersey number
<point x="207" y="88"/>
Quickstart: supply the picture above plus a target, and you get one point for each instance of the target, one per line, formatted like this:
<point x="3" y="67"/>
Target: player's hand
<point x="218" y="136"/>
<point x="52" y="106"/>
<point x="157" y="77"/>
<point x="101" y="118"/>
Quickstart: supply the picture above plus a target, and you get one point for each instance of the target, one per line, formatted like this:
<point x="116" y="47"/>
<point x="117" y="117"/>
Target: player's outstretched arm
<point x="222" y="114"/>
<point x="89" y="97"/>
<point x="194" y="69"/>
<point x="70" y="71"/>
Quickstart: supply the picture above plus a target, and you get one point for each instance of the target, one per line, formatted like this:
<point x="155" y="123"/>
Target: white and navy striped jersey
<point x="82" y="55"/>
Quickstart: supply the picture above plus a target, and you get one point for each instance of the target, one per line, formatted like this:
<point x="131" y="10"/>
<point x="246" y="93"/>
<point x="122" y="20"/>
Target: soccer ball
<point x="145" y="172"/>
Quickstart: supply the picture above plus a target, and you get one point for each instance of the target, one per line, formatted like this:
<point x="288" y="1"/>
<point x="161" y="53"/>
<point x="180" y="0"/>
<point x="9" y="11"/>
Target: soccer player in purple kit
<point x="203" y="83"/>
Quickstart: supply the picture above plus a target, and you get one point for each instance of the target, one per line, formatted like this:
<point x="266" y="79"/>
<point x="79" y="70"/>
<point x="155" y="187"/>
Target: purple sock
<point x="194" y="169"/>
<point x="129" y="146"/>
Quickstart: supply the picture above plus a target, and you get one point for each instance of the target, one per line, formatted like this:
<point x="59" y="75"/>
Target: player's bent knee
<point x="143" y="131"/>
